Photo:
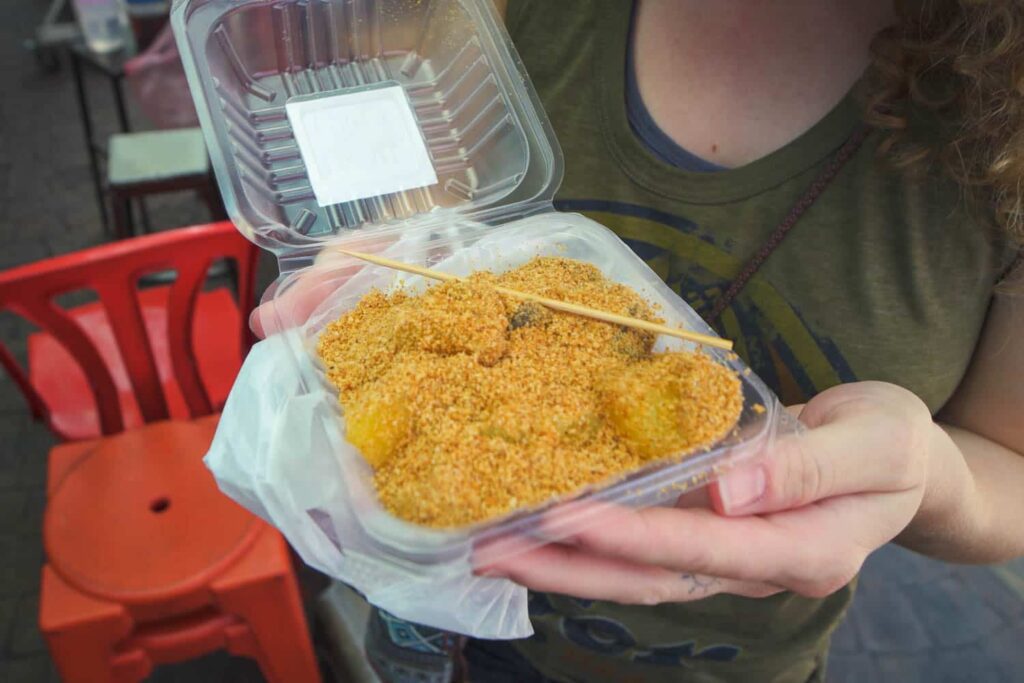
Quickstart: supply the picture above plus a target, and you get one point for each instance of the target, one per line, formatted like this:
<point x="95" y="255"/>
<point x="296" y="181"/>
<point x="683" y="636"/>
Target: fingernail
<point x="742" y="488"/>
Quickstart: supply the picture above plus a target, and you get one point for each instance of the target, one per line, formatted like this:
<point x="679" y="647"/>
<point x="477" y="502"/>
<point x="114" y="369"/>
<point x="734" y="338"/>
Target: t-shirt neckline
<point x="699" y="187"/>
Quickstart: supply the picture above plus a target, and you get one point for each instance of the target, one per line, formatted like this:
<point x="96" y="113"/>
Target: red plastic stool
<point x="64" y="387"/>
<point x="148" y="563"/>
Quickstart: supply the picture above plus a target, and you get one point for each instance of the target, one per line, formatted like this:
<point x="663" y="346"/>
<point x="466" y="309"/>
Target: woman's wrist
<point x="951" y="513"/>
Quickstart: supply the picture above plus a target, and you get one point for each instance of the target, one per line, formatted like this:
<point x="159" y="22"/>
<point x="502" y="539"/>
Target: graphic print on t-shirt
<point x="770" y="335"/>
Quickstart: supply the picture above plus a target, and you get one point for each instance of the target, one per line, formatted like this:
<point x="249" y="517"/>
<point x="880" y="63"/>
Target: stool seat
<point x="137" y="517"/>
<point x="148" y="563"/>
<point x="156" y="157"/>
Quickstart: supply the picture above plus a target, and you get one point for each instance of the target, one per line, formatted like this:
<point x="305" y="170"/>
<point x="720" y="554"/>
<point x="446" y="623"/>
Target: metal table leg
<point x="83" y="111"/>
<point x="126" y="127"/>
<point x="122" y="112"/>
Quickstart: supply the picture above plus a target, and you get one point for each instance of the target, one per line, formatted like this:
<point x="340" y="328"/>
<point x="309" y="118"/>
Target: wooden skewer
<point x="554" y="304"/>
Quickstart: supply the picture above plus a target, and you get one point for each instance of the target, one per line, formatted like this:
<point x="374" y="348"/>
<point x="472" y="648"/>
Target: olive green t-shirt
<point x="886" y="277"/>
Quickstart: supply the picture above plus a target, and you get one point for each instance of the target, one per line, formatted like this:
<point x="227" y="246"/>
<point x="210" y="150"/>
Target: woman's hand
<point x="803" y="518"/>
<point x="294" y="303"/>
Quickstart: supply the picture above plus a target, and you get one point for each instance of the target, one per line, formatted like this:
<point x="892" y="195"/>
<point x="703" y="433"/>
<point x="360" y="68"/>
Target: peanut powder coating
<point x="470" y="404"/>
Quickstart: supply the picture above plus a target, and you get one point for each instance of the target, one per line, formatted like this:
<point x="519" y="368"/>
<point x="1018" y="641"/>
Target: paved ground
<point x="913" y="619"/>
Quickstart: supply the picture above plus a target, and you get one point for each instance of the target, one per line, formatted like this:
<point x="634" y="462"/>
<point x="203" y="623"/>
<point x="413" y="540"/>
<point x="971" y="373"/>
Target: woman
<point x="855" y="265"/>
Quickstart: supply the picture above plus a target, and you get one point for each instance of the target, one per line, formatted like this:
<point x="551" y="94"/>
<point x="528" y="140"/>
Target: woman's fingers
<point x="813" y="550"/>
<point x="295" y="304"/>
<point x="690" y="540"/>
<point x="865" y="437"/>
<point x="297" y="301"/>
<point x="557" y="568"/>
<point x="804" y="521"/>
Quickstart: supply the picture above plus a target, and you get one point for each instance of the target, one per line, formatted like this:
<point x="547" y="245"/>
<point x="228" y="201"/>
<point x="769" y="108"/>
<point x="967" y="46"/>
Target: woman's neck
<point x="734" y="80"/>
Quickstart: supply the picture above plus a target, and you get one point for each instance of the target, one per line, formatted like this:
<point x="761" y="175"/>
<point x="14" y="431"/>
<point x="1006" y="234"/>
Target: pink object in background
<point x="156" y="80"/>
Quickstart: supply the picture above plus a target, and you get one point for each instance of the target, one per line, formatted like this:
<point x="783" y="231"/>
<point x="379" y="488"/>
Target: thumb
<point x="293" y="299"/>
<point x="851" y="446"/>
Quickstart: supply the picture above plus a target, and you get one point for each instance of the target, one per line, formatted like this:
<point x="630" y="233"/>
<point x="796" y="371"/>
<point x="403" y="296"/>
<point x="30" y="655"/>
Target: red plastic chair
<point x="147" y="562"/>
<point x="134" y="356"/>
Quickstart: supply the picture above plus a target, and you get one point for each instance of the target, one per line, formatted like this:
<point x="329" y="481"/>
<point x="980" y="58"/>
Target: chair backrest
<point x="113" y="271"/>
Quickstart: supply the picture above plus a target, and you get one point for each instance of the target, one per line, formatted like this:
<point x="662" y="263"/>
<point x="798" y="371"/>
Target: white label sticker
<point x="360" y="144"/>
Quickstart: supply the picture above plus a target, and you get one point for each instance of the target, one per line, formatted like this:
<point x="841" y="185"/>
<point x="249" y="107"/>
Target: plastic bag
<point x="280" y="450"/>
<point x="156" y="80"/>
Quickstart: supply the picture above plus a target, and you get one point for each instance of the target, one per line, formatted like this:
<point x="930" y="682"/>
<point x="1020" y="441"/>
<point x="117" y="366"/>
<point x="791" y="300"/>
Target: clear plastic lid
<point x="325" y="116"/>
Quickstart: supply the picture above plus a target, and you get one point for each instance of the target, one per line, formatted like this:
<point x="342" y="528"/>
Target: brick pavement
<point x="913" y="619"/>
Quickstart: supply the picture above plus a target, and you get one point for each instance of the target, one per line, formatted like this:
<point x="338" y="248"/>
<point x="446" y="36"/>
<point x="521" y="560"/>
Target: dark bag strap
<point x="822" y="181"/>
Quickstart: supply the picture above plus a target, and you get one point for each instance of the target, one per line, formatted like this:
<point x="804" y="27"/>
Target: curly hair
<point x="947" y="88"/>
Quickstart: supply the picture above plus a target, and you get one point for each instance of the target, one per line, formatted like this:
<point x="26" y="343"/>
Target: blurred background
<point x="98" y="149"/>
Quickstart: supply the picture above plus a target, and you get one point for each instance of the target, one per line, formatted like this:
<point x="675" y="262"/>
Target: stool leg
<point x="81" y="631"/>
<point x="147" y="226"/>
<point x="87" y="129"/>
<point x="122" y="211"/>
<point x="261" y="589"/>
<point x="211" y="197"/>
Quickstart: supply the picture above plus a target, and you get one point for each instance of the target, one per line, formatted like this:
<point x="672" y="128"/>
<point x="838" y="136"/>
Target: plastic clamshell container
<point x="468" y="247"/>
<point x="490" y="146"/>
<point x="497" y="165"/>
